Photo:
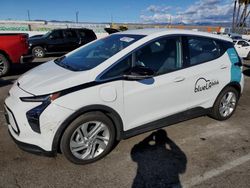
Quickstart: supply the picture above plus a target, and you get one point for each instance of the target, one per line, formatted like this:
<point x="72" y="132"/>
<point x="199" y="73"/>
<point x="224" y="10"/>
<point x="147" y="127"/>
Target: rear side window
<point x="70" y="34"/>
<point x="87" y="34"/>
<point x="201" y="49"/>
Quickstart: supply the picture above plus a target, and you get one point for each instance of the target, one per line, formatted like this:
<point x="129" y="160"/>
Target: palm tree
<point x="239" y="21"/>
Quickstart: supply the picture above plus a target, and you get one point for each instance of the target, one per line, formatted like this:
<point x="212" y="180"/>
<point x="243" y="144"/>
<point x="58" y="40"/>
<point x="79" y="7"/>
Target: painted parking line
<point x="215" y="172"/>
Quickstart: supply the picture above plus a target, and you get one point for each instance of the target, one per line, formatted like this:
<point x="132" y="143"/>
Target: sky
<point x="186" y="11"/>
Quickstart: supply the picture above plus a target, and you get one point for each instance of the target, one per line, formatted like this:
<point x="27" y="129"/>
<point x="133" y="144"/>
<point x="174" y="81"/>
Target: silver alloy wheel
<point x="38" y="52"/>
<point x="2" y="66"/>
<point x="227" y="104"/>
<point x="89" y="140"/>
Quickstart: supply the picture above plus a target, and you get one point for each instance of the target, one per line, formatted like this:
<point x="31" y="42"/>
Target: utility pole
<point x="77" y="13"/>
<point x="233" y="24"/>
<point x="28" y="13"/>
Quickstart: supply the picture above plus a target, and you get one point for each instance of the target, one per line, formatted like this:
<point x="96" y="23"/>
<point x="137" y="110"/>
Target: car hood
<point x="49" y="78"/>
<point x="36" y="39"/>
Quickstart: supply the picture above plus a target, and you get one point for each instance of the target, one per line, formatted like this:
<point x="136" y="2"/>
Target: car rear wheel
<point x="225" y="104"/>
<point x="4" y="65"/>
<point x="38" y="52"/>
<point x="88" y="138"/>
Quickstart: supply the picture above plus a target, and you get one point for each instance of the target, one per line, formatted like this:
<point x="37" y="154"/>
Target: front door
<point x="164" y="94"/>
<point x="55" y="42"/>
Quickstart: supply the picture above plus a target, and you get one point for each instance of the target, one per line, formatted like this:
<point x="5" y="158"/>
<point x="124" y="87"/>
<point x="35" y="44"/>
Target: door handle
<point x="223" y="66"/>
<point x="179" y="79"/>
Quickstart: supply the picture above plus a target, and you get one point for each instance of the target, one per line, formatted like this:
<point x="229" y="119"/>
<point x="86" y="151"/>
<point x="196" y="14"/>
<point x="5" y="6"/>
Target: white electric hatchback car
<point x="242" y="47"/>
<point x="122" y="85"/>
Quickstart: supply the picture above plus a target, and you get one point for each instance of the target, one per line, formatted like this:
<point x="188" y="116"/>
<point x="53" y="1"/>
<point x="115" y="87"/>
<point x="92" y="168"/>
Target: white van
<point x="120" y="86"/>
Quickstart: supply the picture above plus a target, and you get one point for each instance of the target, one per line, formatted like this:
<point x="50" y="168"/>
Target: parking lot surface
<point x="201" y="152"/>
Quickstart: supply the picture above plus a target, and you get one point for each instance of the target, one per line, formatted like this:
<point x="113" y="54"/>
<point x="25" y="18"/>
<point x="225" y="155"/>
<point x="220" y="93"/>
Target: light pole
<point x="77" y="13"/>
<point x="28" y="13"/>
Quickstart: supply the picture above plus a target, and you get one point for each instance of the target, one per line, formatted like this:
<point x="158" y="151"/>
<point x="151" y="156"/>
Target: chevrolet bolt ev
<point x="125" y="84"/>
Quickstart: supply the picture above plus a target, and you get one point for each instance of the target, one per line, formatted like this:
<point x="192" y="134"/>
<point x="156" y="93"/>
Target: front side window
<point x="94" y="54"/>
<point x="161" y="56"/>
<point x="70" y="34"/>
<point x="119" y="69"/>
<point x="202" y="49"/>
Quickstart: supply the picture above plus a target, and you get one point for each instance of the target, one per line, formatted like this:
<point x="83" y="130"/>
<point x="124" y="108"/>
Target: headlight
<point x="41" y="98"/>
<point x="34" y="114"/>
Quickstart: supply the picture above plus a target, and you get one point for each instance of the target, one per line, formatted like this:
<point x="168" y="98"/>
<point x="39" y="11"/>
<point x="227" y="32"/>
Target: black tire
<point x="70" y="131"/>
<point x="38" y="52"/>
<point x="4" y="65"/>
<point x="215" y="111"/>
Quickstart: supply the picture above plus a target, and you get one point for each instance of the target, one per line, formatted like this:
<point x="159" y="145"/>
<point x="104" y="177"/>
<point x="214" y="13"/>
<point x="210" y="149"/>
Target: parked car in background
<point x="122" y="85"/>
<point x="35" y="36"/>
<point x="242" y="47"/>
<point x="111" y="30"/>
<point x="13" y="49"/>
<point x="60" y="41"/>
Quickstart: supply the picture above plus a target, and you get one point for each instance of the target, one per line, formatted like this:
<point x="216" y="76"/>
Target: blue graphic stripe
<point x="235" y="70"/>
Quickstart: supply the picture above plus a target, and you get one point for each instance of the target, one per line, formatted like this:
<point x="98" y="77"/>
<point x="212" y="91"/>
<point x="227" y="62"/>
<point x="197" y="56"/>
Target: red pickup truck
<point x="13" y="49"/>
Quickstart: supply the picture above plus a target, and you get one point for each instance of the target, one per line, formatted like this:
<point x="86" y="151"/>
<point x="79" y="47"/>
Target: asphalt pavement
<point x="201" y="152"/>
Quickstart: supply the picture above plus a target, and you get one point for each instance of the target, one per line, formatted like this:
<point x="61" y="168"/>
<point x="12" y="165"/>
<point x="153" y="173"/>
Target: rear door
<point x="71" y="41"/>
<point x="208" y="70"/>
<point x="55" y="42"/>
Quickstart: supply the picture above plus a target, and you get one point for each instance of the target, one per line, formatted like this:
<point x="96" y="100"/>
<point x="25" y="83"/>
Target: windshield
<point x="94" y="54"/>
<point x="47" y="34"/>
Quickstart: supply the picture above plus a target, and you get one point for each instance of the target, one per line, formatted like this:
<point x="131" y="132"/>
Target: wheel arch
<point x="235" y="85"/>
<point x="43" y="46"/>
<point x="109" y="112"/>
<point x="6" y="55"/>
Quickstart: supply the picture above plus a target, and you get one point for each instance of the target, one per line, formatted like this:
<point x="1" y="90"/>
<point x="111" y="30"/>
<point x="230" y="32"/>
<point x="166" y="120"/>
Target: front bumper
<point x="33" y="148"/>
<point x="20" y="129"/>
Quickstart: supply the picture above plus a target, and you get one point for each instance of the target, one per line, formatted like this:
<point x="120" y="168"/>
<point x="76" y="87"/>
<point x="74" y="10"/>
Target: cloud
<point x="158" y="9"/>
<point x="201" y="11"/>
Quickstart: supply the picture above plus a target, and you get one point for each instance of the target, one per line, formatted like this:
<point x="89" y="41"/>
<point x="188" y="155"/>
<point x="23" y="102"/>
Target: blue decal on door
<point x="235" y="70"/>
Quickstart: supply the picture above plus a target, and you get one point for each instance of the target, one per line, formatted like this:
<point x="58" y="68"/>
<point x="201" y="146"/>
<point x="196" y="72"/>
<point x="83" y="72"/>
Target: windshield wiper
<point x="59" y="61"/>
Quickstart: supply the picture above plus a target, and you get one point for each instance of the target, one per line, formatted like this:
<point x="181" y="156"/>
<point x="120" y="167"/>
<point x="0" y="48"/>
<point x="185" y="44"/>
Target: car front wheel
<point x="88" y="138"/>
<point x="38" y="52"/>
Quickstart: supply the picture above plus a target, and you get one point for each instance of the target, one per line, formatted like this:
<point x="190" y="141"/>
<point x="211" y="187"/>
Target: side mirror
<point x="139" y="73"/>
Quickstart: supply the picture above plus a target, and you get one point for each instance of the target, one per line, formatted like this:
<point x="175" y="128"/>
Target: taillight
<point x="24" y="38"/>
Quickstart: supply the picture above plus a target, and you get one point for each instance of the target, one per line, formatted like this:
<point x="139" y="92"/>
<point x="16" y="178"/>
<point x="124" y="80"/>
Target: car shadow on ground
<point x="246" y="65"/>
<point x="18" y="69"/>
<point x="246" y="72"/>
<point x="6" y="82"/>
<point x="160" y="162"/>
